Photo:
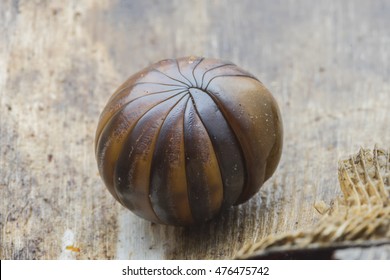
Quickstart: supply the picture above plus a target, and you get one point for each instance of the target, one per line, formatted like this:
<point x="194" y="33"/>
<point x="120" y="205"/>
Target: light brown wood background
<point x="327" y="63"/>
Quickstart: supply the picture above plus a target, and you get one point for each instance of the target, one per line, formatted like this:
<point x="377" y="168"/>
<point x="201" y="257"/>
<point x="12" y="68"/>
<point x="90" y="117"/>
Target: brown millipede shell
<point x="185" y="138"/>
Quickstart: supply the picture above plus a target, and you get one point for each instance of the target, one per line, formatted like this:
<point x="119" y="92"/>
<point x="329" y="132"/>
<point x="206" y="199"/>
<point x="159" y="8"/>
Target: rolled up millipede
<point x="185" y="138"/>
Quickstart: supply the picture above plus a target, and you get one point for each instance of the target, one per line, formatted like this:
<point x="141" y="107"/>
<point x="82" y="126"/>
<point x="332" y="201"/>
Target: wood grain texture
<point x="326" y="62"/>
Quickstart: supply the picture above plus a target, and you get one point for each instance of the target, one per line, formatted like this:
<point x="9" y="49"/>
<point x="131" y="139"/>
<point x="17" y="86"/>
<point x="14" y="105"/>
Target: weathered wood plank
<point x="327" y="63"/>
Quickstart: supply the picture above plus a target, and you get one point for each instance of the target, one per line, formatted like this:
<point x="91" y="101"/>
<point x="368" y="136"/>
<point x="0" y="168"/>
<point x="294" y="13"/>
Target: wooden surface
<point x="327" y="63"/>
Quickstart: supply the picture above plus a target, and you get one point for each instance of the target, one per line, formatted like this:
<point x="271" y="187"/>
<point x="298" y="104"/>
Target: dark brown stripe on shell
<point x="225" y="145"/>
<point x="168" y="185"/>
<point x="205" y="187"/>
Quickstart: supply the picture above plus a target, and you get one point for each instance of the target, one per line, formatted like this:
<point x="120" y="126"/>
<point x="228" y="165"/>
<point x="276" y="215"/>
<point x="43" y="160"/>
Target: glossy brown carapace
<point x="184" y="138"/>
